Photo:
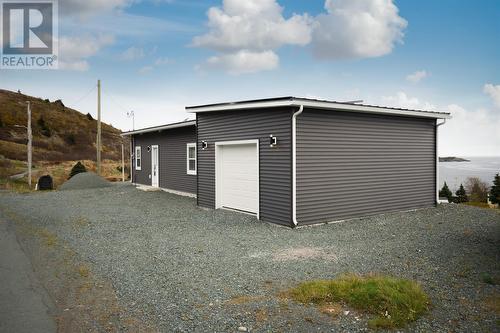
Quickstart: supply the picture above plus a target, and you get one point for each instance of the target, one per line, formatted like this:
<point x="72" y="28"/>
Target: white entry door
<point x="155" y="177"/>
<point x="237" y="168"/>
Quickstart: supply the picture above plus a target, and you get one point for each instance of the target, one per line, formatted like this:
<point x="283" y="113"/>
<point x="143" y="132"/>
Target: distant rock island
<point x="452" y="159"/>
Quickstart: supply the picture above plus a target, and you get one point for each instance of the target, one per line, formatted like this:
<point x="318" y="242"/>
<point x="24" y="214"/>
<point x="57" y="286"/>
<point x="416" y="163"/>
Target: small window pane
<point x="138" y="162"/>
<point x="192" y="152"/>
<point x="192" y="165"/>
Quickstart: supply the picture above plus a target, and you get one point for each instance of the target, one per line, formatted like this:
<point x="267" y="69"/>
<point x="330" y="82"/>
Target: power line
<point x="84" y="96"/>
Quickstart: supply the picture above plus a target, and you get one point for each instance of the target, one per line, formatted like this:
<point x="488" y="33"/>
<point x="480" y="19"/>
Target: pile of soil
<point x="85" y="180"/>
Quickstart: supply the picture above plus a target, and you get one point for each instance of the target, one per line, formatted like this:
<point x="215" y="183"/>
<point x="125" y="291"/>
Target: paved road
<point x="24" y="304"/>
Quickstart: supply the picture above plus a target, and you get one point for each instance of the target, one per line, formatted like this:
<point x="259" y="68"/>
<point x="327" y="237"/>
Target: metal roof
<point x="315" y="103"/>
<point x="161" y="128"/>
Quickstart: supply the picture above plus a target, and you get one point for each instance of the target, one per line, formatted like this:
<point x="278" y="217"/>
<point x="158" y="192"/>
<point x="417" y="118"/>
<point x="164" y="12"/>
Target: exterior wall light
<point x="204" y="145"/>
<point x="273" y="141"/>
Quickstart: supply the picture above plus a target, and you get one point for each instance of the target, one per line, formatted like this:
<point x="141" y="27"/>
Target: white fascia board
<point x="319" y="105"/>
<point x="160" y="128"/>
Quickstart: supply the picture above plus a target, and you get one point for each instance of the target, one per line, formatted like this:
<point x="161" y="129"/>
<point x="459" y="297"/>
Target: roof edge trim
<point x="350" y="107"/>
<point x="160" y="128"/>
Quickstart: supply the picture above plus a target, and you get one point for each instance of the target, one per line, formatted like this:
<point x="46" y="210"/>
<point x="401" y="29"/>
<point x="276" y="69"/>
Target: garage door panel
<point x="238" y="169"/>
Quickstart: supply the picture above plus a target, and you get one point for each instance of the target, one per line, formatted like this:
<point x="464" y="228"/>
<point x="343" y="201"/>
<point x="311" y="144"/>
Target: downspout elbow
<point x="294" y="164"/>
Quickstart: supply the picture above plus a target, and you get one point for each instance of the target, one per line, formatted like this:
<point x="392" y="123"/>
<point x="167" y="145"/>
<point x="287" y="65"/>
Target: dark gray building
<point x="295" y="161"/>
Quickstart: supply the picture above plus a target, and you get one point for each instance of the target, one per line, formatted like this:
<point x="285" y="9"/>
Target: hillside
<point x="59" y="133"/>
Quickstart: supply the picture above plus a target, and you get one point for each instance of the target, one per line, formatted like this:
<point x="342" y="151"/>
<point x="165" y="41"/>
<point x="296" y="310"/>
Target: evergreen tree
<point x="445" y="192"/>
<point x="77" y="168"/>
<point x="495" y="191"/>
<point x="461" y="195"/>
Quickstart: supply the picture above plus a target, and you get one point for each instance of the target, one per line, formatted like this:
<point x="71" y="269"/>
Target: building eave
<point x="316" y="104"/>
<point x="160" y="128"/>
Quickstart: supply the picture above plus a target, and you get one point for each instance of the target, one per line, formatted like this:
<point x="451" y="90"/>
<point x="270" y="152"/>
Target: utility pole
<point x="30" y="142"/>
<point x="123" y="163"/>
<point x="98" y="140"/>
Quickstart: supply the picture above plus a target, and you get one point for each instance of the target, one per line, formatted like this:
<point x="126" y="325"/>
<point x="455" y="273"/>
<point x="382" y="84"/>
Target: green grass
<point x="392" y="302"/>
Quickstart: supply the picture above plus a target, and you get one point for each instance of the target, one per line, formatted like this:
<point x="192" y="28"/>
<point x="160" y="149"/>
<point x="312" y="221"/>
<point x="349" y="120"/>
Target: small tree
<point x="461" y="195"/>
<point x="77" y="168"/>
<point x="495" y="191"/>
<point x="477" y="189"/>
<point x="446" y="193"/>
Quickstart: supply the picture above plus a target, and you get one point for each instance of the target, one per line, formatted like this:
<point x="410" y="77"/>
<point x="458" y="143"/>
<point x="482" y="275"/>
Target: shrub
<point x="477" y="189"/>
<point x="446" y="193"/>
<point x="70" y="139"/>
<point x="44" y="129"/>
<point x="77" y="168"/>
<point x="394" y="302"/>
<point x="495" y="191"/>
<point x="461" y="195"/>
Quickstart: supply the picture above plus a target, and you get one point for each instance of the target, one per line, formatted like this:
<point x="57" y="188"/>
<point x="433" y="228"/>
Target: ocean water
<point x="455" y="173"/>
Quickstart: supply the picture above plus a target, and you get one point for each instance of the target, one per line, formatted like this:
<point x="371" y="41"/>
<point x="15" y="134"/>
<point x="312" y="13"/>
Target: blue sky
<point x="155" y="57"/>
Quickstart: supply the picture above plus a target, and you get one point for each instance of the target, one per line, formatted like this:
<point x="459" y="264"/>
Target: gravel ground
<point x="195" y="270"/>
<point x="85" y="180"/>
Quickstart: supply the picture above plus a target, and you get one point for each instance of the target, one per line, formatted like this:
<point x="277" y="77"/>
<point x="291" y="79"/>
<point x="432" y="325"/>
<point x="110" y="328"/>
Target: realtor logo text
<point x="29" y="34"/>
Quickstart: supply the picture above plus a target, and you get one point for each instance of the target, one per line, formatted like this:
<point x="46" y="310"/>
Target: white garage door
<point x="238" y="177"/>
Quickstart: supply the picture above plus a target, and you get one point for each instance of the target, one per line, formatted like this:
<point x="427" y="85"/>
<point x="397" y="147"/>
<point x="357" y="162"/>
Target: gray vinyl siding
<point x="275" y="162"/>
<point x="172" y="156"/>
<point x="351" y="165"/>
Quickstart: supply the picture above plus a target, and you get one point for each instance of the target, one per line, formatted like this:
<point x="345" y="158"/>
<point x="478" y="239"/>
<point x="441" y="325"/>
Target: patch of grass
<point x="49" y="238"/>
<point x="393" y="302"/>
<point x="488" y="278"/>
<point x="83" y="271"/>
<point x="477" y="204"/>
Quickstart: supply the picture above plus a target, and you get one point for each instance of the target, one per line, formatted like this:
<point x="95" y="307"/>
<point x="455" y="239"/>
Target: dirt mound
<point x="85" y="180"/>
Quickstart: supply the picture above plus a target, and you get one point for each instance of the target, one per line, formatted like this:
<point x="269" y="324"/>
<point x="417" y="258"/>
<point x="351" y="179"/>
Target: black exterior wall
<point x="356" y="164"/>
<point x="172" y="158"/>
<point x="275" y="162"/>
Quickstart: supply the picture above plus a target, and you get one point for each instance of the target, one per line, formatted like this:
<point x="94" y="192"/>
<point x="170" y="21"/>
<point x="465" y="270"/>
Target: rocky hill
<point x="59" y="133"/>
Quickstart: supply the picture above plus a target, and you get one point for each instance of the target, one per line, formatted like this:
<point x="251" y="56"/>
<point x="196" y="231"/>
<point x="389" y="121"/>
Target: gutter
<point x="437" y="160"/>
<point x="294" y="164"/>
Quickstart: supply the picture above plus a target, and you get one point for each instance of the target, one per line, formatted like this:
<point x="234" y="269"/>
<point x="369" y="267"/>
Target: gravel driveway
<point x="189" y="269"/>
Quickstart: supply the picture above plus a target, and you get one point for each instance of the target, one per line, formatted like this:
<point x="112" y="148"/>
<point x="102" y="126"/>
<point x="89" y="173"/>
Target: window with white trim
<point x="191" y="158"/>
<point x="138" y="157"/>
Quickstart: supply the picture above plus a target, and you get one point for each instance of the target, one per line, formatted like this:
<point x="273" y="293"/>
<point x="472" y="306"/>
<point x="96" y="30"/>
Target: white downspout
<point x="294" y="164"/>
<point x="437" y="160"/>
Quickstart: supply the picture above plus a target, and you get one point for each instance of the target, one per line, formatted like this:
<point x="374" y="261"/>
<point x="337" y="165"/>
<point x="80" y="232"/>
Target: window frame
<point x="138" y="149"/>
<point x="188" y="159"/>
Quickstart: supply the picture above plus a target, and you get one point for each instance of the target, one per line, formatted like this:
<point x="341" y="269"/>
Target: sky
<point x="157" y="56"/>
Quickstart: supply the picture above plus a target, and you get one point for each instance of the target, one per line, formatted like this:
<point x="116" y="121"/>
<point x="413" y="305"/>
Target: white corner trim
<point x="437" y="158"/>
<point x="294" y="164"/>
<point x="217" y="170"/>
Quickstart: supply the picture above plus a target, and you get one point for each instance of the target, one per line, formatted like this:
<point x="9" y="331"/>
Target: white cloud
<point x="132" y="53"/>
<point x="74" y="51"/>
<point x="468" y="133"/>
<point x="256" y="25"/>
<point x="402" y="100"/>
<point x="246" y="34"/>
<point x="163" y="61"/>
<point x="494" y="92"/>
<point x="417" y="76"/>
<point x="357" y="29"/>
<point x="146" y="70"/>
<point x="243" y="62"/>
<point x="87" y="8"/>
